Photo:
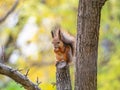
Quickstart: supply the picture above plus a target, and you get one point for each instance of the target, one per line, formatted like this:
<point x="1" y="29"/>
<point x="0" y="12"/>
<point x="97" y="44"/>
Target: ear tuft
<point x="52" y="34"/>
<point x="59" y="33"/>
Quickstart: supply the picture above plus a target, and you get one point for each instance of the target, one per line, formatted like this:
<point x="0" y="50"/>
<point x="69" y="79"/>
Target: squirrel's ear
<point x="52" y="34"/>
<point x="59" y="33"/>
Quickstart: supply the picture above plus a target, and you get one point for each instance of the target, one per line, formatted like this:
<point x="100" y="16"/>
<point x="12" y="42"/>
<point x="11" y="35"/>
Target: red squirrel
<point x="64" y="45"/>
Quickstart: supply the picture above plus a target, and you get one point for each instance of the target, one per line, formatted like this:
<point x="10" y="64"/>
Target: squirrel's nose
<point x="56" y="46"/>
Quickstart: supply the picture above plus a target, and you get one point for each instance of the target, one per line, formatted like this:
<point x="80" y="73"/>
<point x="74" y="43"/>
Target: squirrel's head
<point x="57" y="42"/>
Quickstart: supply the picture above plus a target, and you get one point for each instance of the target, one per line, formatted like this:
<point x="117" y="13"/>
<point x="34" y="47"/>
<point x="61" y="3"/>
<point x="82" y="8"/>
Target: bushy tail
<point x="68" y="40"/>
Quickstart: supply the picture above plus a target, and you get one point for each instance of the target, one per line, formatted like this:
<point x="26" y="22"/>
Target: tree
<point x="87" y="44"/>
<point x="88" y="23"/>
<point x="63" y="81"/>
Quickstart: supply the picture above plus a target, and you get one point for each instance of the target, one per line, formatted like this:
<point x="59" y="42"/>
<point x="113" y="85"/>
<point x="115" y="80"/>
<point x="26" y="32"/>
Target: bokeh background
<point x="26" y="38"/>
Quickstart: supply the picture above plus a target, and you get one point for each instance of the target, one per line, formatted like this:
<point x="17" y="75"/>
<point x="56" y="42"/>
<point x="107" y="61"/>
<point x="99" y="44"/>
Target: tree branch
<point x="63" y="81"/>
<point x="102" y="2"/>
<point x="18" y="77"/>
<point x="9" y="12"/>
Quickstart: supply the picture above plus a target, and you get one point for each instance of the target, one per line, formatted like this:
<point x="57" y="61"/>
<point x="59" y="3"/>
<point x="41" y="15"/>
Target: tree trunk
<point x="88" y="24"/>
<point x="63" y="78"/>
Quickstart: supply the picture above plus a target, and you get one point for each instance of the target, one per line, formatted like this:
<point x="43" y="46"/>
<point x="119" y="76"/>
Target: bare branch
<point x="9" y="12"/>
<point x="38" y="82"/>
<point x="102" y="2"/>
<point x="27" y="72"/>
<point x="2" y="54"/>
<point x="18" y="77"/>
<point x="15" y="70"/>
<point x="53" y="84"/>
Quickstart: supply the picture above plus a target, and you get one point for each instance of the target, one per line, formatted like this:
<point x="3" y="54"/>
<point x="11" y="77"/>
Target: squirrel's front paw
<point x="61" y="64"/>
<point x="56" y="63"/>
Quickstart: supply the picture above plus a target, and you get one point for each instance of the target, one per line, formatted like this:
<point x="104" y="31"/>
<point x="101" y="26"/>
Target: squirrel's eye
<point x="58" y="42"/>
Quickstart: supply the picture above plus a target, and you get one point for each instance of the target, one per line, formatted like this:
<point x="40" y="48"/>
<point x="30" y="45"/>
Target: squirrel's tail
<point x="69" y="40"/>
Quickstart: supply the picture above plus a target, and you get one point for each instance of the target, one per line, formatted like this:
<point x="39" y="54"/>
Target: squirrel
<point x="64" y="45"/>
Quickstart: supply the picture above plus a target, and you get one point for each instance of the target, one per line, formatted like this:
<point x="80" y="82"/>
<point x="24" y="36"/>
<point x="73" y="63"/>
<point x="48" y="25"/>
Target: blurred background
<point x="26" y="38"/>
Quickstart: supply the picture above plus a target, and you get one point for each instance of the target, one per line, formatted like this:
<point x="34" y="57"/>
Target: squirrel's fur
<point x="64" y="45"/>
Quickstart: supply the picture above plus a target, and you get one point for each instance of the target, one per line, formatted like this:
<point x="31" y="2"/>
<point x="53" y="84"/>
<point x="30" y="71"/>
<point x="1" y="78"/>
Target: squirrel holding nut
<point x="64" y="45"/>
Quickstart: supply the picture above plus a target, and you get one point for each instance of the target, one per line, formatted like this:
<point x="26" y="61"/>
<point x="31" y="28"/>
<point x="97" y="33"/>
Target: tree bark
<point x="88" y="24"/>
<point x="63" y="81"/>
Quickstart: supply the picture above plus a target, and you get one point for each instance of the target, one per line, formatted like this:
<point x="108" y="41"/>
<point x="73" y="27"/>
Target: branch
<point x="102" y="2"/>
<point x="9" y="12"/>
<point x="63" y="81"/>
<point x="38" y="82"/>
<point x="18" y="77"/>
